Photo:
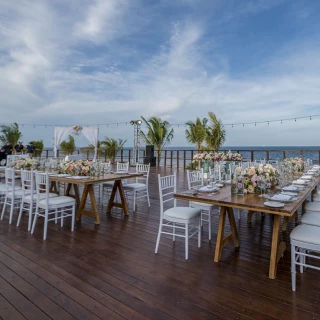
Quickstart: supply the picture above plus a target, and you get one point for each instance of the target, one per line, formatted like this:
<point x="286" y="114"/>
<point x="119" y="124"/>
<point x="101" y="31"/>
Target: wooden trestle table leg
<point x="231" y="236"/>
<point x="123" y="205"/>
<point x="88" y="190"/>
<point x="53" y="187"/>
<point x="277" y="248"/>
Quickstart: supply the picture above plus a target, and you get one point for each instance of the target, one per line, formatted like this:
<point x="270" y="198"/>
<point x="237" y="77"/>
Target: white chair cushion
<point x="306" y="233"/>
<point x="312" y="218"/>
<point x="19" y="193"/>
<point x="184" y="213"/>
<point x="135" y="186"/>
<point x="57" y="202"/>
<point x="316" y="197"/>
<point x="42" y="196"/>
<point x="3" y="188"/>
<point x="312" y="206"/>
<point x="207" y="206"/>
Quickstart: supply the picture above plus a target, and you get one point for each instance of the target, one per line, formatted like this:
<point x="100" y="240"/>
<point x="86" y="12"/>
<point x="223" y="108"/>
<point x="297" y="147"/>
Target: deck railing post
<point x="171" y="159"/>
<point x="129" y="156"/>
<point x="184" y="159"/>
<point x="178" y="159"/>
<point x="284" y="154"/>
<point x="301" y="154"/>
<point x="267" y="156"/>
<point x="121" y="155"/>
<point x="165" y="158"/>
<point x="252" y="156"/>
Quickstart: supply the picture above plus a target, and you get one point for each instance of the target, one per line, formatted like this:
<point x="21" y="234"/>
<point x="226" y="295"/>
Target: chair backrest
<point x="27" y="181"/>
<point x="10" y="180"/>
<point x="195" y="178"/>
<point x="42" y="186"/>
<point x="123" y="166"/>
<point x="167" y="188"/>
<point x="145" y="170"/>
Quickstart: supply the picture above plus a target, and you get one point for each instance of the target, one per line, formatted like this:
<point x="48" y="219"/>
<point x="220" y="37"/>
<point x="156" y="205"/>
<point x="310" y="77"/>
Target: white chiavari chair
<point x="139" y="189"/>
<point x="195" y="179"/>
<point x="181" y="222"/>
<point x="28" y="201"/>
<point x="51" y="208"/>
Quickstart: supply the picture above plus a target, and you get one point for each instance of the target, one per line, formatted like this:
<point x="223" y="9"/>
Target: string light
<point x="172" y="124"/>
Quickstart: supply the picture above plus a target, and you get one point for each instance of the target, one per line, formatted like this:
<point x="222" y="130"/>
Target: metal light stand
<point x="136" y="140"/>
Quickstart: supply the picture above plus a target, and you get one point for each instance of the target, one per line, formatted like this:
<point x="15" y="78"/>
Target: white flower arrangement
<point x="77" y="129"/>
<point x="218" y="156"/>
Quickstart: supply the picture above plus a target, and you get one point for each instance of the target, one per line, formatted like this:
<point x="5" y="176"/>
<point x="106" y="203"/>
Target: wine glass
<point x="262" y="185"/>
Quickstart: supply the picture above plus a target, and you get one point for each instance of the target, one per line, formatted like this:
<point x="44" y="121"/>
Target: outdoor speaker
<point x="152" y="161"/>
<point x="149" y="151"/>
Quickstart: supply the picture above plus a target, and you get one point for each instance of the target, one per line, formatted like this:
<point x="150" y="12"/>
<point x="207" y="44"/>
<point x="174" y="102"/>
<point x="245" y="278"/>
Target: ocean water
<point x="177" y="154"/>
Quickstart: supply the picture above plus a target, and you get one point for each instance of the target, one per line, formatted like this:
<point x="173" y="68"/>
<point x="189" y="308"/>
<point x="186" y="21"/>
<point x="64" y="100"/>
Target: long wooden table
<point x="88" y="183"/>
<point x="252" y="203"/>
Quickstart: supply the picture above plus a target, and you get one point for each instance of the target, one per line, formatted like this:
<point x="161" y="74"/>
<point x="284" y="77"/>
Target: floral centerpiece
<point x="76" y="168"/>
<point x="25" y="164"/>
<point x="77" y="129"/>
<point x="296" y="163"/>
<point x="218" y="156"/>
<point x="253" y="174"/>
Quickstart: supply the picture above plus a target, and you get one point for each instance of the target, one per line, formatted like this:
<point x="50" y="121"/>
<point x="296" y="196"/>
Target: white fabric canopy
<point x="91" y="133"/>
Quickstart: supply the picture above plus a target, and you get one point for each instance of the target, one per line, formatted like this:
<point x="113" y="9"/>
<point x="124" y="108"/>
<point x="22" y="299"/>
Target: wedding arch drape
<point x="91" y="133"/>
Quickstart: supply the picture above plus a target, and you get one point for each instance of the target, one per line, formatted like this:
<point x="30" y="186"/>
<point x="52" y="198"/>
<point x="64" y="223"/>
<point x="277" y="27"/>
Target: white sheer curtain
<point x="60" y="134"/>
<point x="92" y="133"/>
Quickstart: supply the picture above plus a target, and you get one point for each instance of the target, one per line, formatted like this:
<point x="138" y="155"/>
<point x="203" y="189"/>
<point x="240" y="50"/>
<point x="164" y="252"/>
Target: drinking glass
<point x="262" y="185"/>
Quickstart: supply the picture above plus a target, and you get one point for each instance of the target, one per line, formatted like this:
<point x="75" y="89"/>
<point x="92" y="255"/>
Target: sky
<point x="88" y="62"/>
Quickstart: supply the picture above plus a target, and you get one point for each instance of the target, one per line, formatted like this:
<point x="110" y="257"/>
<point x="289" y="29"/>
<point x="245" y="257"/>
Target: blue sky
<point x="102" y="61"/>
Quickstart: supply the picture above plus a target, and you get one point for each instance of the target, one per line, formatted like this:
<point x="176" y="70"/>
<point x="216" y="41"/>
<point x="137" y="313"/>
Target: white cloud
<point x="47" y="74"/>
<point x="104" y="21"/>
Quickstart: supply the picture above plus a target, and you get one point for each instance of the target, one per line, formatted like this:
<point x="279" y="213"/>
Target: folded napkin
<point x="290" y="188"/>
<point x="281" y="197"/>
<point x="63" y="175"/>
<point x="299" y="181"/>
<point x="306" y="177"/>
<point x="311" y="172"/>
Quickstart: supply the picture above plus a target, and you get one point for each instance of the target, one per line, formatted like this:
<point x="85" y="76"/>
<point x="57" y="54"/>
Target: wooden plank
<point x="7" y="311"/>
<point x="20" y="302"/>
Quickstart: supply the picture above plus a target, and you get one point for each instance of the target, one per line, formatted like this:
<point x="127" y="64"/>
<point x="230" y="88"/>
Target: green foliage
<point x="158" y="134"/>
<point x="90" y="148"/>
<point x="39" y="147"/>
<point x="216" y="134"/>
<point x="111" y="147"/>
<point x="10" y="133"/>
<point x="197" y="132"/>
<point x="68" y="147"/>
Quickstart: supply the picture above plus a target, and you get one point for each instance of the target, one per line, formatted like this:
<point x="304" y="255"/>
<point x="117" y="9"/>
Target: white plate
<point x="207" y="189"/>
<point x="63" y="175"/>
<point x="220" y="185"/>
<point x="290" y="188"/>
<point x="288" y="193"/>
<point x="121" y="172"/>
<point x="274" y="204"/>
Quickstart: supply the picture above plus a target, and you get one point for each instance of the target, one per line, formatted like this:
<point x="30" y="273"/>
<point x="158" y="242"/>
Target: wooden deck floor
<point x="110" y="271"/>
